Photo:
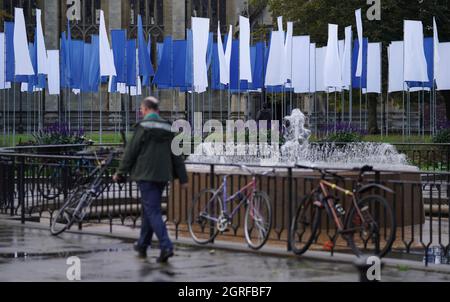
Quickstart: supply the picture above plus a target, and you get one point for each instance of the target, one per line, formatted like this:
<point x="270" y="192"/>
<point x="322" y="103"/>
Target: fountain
<point x="298" y="149"/>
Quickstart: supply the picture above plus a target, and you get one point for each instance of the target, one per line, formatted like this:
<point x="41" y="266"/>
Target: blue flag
<point x="164" y="77"/>
<point x="76" y="62"/>
<point x="87" y="56"/>
<point x="360" y="82"/>
<point x="429" y="55"/>
<point x="9" y="40"/>
<point x="119" y="42"/>
<point x="94" y="68"/>
<point x="145" y="65"/>
<point x="131" y="63"/>
<point x="189" y="70"/>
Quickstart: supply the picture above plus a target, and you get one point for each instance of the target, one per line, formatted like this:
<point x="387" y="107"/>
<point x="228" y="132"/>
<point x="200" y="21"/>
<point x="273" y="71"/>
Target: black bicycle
<point x="368" y="225"/>
<point x="81" y="198"/>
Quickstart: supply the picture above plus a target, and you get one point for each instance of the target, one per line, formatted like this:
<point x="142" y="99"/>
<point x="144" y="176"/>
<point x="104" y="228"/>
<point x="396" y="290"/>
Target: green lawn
<point x="115" y="138"/>
<point x="108" y="138"/>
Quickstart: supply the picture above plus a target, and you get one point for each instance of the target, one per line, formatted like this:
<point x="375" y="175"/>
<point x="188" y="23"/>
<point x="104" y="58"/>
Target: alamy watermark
<point x="374" y="271"/>
<point x="234" y="138"/>
<point x="374" y="11"/>
<point x="73" y="272"/>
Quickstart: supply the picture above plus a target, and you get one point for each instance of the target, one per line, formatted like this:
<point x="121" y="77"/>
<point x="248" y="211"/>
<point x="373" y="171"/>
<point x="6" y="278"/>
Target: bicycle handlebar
<point x="253" y="173"/>
<point x="325" y="172"/>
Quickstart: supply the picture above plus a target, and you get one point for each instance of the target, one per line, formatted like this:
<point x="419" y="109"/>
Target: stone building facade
<point x="160" y="18"/>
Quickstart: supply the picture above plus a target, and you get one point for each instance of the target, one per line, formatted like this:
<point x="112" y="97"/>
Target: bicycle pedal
<point x="328" y="246"/>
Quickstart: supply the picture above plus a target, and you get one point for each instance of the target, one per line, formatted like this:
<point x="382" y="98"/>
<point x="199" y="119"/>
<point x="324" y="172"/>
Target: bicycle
<point x="56" y="176"/>
<point x="370" y="217"/>
<point x="209" y="213"/>
<point x="80" y="199"/>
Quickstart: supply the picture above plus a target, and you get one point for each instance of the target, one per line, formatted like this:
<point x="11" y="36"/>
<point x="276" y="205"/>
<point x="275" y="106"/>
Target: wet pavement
<point x="28" y="254"/>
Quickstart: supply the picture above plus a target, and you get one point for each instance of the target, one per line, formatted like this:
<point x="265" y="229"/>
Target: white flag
<point x="53" y="72"/>
<point x="300" y="64"/>
<point x="443" y="74"/>
<point x="280" y="23"/>
<point x="245" y="65"/>
<point x="320" y="67"/>
<point x="2" y="61"/>
<point x="359" y="26"/>
<point x="374" y="68"/>
<point x="332" y="63"/>
<point x="395" y="62"/>
<point x="436" y="56"/>
<point x="347" y="59"/>
<point x="415" y="61"/>
<point x="287" y="57"/>
<point x="224" y="56"/>
<point x="22" y="58"/>
<point x="274" y="70"/>
<point x="40" y="45"/>
<point x="200" y="37"/>
<point x="312" y="68"/>
<point x="107" y="67"/>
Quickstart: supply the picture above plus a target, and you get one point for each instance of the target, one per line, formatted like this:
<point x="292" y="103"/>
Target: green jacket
<point x="148" y="156"/>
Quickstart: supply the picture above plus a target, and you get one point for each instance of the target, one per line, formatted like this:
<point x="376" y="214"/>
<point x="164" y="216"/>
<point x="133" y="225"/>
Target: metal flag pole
<point x="433" y="109"/>
<point x="92" y="113"/>
<point x="4" y="117"/>
<point x="380" y="96"/>
<point x="343" y="105"/>
<point x="327" y="109"/>
<point x="28" y="118"/>
<point x="360" y="103"/>
<point x="101" y="114"/>
<point x="8" y="112"/>
<point x="14" y="115"/>
<point x="335" y="110"/>
<point x="366" y="124"/>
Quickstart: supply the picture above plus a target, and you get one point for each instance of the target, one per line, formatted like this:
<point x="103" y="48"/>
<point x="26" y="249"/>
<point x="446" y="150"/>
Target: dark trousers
<point x="152" y="221"/>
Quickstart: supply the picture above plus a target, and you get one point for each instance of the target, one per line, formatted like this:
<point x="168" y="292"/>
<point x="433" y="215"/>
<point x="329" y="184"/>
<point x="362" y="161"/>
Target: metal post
<point x="21" y="184"/>
<point x="291" y="204"/>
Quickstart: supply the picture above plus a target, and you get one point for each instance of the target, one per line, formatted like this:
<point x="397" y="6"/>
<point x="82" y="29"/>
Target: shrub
<point x="442" y="137"/>
<point x="344" y="133"/>
<point x="59" y="134"/>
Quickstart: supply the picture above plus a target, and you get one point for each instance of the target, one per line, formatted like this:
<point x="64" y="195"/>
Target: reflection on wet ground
<point x="33" y="255"/>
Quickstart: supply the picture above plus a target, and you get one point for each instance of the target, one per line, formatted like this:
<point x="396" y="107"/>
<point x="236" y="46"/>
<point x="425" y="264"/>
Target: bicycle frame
<point x="248" y="191"/>
<point x="327" y="199"/>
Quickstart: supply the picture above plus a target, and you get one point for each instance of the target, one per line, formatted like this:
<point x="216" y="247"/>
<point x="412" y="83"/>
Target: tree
<point x="311" y="17"/>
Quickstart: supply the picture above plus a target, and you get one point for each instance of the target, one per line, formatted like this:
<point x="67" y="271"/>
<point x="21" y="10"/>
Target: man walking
<point x="150" y="162"/>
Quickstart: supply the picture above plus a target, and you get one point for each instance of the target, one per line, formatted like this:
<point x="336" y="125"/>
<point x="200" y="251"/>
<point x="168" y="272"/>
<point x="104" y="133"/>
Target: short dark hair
<point x="151" y="103"/>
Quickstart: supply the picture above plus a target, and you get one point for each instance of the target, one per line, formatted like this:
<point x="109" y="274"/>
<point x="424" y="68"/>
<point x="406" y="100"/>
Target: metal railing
<point x="32" y="186"/>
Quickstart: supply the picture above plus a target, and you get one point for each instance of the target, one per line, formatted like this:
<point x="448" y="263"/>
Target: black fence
<point x="428" y="157"/>
<point x="33" y="186"/>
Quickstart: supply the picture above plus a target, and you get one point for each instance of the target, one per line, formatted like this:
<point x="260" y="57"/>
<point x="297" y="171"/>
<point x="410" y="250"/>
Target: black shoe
<point x="164" y="256"/>
<point x="142" y="253"/>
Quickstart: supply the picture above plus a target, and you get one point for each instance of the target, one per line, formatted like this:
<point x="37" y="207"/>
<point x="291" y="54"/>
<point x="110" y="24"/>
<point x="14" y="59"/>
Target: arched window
<point x="29" y="11"/>
<point x="152" y="13"/>
<point x="83" y="17"/>
<point x="215" y="10"/>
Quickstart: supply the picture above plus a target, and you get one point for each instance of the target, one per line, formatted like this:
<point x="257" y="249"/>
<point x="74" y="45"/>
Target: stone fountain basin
<point x="407" y="200"/>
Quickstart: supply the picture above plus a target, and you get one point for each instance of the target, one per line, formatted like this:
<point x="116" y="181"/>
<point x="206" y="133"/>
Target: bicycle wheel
<point x="304" y="226"/>
<point x="258" y="220"/>
<point x="376" y="234"/>
<point x="65" y="217"/>
<point x="204" y="215"/>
